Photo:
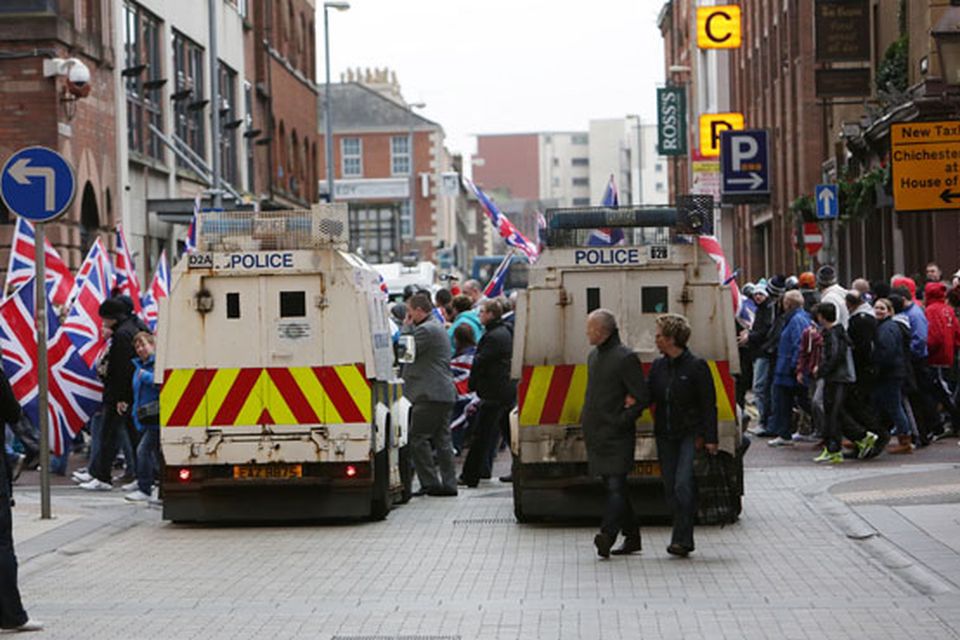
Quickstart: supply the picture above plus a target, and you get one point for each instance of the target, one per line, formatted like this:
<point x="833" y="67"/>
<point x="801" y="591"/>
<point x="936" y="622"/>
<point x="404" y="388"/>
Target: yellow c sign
<point x="711" y="126"/>
<point x="718" y="27"/>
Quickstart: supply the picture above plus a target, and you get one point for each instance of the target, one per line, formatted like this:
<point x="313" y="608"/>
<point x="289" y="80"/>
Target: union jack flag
<point x="190" y="243"/>
<point x="159" y="289"/>
<point x="607" y="236"/>
<point x="97" y="255"/>
<point x="83" y="324"/>
<point x="494" y="288"/>
<point x="23" y="264"/>
<point x="510" y="234"/>
<point x="74" y="392"/>
<point x="127" y="281"/>
<point x="711" y="245"/>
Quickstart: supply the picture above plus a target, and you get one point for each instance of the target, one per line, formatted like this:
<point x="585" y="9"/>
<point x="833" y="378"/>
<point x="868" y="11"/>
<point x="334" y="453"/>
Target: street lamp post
<point x="413" y="169"/>
<point x="328" y="136"/>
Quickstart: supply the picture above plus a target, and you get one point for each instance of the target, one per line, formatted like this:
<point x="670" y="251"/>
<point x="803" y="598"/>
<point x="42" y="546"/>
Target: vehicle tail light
<point x="350" y="471"/>
<point x="184" y="474"/>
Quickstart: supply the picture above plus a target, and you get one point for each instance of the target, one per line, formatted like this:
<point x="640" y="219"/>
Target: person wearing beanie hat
<point x="117" y="388"/>
<point x="791" y="283"/>
<point x="776" y="286"/>
<point x="807" y="280"/>
<point x="832" y="292"/>
<point x="752" y="342"/>
<point x="808" y="287"/>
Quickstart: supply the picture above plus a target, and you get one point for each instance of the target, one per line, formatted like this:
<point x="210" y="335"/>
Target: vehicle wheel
<point x="380" y="504"/>
<point x="406" y="475"/>
<point x="517" y="492"/>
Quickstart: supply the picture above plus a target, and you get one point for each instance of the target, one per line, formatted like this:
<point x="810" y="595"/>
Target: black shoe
<point x="507" y="478"/>
<point x="631" y="544"/>
<point x="442" y="493"/>
<point x="464" y="483"/>
<point x="420" y="492"/>
<point x="603" y="542"/>
<point x="679" y="550"/>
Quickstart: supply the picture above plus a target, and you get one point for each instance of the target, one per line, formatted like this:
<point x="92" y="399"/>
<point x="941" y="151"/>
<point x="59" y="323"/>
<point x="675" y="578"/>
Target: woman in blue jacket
<point x="146" y="415"/>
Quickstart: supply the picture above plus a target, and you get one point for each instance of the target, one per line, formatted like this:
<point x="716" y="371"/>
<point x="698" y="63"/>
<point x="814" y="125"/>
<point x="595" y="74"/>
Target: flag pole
<point x="40" y="308"/>
<point x="503" y="263"/>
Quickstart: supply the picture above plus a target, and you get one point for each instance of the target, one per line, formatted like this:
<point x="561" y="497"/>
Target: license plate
<point x="267" y="471"/>
<point x="651" y="469"/>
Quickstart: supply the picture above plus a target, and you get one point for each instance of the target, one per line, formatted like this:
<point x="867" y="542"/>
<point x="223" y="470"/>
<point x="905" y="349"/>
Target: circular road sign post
<point x="38" y="184"/>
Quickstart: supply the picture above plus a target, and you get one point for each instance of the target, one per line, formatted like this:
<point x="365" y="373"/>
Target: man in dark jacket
<point x="428" y="385"/>
<point x="490" y="379"/>
<point x="862" y="330"/>
<point x="117" y="315"/>
<point x="12" y="615"/>
<point x="685" y="419"/>
<point x="616" y="396"/>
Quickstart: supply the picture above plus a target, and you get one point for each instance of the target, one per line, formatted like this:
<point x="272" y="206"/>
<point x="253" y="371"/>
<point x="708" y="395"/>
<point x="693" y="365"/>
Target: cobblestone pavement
<point x="793" y="567"/>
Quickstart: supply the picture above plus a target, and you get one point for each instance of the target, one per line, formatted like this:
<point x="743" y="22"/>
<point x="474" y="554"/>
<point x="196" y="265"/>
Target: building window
<point x="658" y="167"/>
<point x="581" y="202"/>
<point x="406" y="221"/>
<point x="352" y="152"/>
<point x="228" y="116"/>
<point x="141" y="44"/>
<point x="189" y="111"/>
<point x="556" y="162"/>
<point x="400" y="155"/>
<point x="579" y="138"/>
<point x="580" y="162"/>
<point x="659" y="186"/>
<point x="581" y="182"/>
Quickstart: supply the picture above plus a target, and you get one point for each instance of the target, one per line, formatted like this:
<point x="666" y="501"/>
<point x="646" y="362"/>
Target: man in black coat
<point x="490" y="379"/>
<point x="685" y="419"/>
<point x="117" y="314"/>
<point x="616" y="396"/>
<point x="12" y="615"/>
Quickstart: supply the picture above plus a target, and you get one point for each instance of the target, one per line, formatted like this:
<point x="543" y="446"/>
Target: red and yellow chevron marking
<point x="554" y="394"/>
<point x="273" y="395"/>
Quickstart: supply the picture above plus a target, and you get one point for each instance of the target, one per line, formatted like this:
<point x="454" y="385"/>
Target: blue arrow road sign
<point x="38" y="184"/>
<point x="828" y="201"/>
<point x="744" y="163"/>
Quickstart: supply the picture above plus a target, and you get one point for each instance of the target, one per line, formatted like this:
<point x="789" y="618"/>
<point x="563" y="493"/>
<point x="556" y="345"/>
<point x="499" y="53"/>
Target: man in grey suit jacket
<point x="428" y="385"/>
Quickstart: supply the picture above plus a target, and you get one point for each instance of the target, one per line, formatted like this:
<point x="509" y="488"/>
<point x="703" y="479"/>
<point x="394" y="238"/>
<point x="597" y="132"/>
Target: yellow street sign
<point x="711" y="124"/>
<point x="926" y="165"/>
<point x="718" y="27"/>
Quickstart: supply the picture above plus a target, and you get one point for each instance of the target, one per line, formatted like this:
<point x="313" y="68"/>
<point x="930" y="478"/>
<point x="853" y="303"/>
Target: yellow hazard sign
<point x="926" y="165"/>
<point x="718" y="27"/>
<point x="711" y="126"/>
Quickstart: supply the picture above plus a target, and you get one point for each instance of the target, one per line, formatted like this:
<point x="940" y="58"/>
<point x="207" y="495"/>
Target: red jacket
<point x="943" y="332"/>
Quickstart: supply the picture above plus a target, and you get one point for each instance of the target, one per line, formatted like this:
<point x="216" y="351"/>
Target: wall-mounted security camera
<point x="75" y="71"/>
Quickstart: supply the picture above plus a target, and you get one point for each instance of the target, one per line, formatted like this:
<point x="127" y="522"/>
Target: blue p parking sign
<point x="37" y="184"/>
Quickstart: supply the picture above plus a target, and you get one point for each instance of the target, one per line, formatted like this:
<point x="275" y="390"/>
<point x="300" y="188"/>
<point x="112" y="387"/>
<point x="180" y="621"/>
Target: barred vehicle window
<point x="143" y="81"/>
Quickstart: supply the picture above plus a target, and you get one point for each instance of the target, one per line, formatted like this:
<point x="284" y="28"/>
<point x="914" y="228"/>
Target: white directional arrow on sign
<point x="826" y="197"/>
<point x="755" y="180"/>
<point x="21" y="171"/>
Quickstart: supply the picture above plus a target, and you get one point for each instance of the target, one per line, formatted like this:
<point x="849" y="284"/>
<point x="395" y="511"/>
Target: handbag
<point x="149" y="413"/>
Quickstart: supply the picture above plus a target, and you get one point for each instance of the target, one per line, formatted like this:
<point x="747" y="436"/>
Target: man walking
<point x="428" y="385"/>
<point x="616" y="396"/>
<point x="685" y="419"/>
<point x="12" y="615"/>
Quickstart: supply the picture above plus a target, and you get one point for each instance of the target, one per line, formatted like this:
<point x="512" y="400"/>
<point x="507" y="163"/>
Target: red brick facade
<point x="509" y="163"/>
<point x="35" y="110"/>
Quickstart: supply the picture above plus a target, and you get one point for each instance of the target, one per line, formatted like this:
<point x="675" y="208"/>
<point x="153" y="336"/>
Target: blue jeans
<point x="761" y="389"/>
<point x="888" y="398"/>
<point x="782" y="410"/>
<point x="148" y="458"/>
<point x="679" y="485"/>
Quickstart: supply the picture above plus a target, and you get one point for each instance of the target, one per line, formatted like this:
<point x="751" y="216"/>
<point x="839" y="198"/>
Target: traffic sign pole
<point x="43" y="370"/>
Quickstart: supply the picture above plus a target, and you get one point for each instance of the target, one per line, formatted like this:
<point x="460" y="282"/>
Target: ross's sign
<point x="38" y="184"/>
<point x="744" y="165"/>
<point x="711" y="126"/>
<point x="671" y="121"/>
<point x="843" y="83"/>
<point x="843" y="30"/>
<point x="828" y="201"/>
<point x="812" y="238"/>
<point x="718" y="27"/>
<point x="926" y="165"/>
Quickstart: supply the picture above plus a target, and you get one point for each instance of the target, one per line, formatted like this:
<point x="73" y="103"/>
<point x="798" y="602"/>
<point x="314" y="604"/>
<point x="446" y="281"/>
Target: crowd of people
<point x="861" y="370"/>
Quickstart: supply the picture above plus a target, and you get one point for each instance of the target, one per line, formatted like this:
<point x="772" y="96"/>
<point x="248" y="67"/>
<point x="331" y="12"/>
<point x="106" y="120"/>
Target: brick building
<point x="389" y="166"/>
<point x="39" y="110"/>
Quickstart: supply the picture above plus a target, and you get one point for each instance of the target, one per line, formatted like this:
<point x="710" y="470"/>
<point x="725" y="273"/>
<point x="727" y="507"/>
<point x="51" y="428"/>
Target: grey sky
<point x="495" y="66"/>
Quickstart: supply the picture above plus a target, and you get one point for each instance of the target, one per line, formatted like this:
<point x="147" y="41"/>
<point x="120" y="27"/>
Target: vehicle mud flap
<point x="518" y="481"/>
<point x="406" y="475"/>
<point x="381" y="500"/>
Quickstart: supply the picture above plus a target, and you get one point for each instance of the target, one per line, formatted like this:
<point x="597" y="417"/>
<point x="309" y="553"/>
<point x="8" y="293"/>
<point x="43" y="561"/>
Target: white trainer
<point x="95" y="485"/>
<point x="29" y="625"/>
<point x="131" y="486"/>
<point x="81" y="476"/>
<point x="136" y="496"/>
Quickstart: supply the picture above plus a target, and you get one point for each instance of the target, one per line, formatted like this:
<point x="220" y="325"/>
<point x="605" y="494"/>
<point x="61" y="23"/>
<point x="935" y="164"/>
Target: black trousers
<point x="618" y="515"/>
<point x="110" y="443"/>
<point x="11" y="609"/>
<point x="838" y="424"/>
<point x="485" y="432"/>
